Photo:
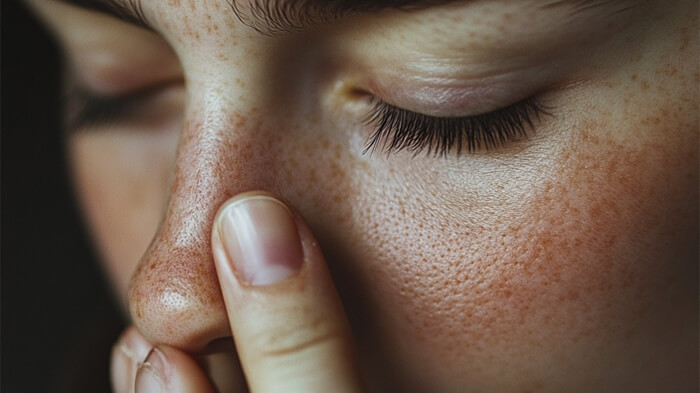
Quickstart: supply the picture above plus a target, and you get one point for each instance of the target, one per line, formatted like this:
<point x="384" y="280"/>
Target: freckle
<point x="670" y="70"/>
<point x="685" y="40"/>
<point x="338" y="151"/>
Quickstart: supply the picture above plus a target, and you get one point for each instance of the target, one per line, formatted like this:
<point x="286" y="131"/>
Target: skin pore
<point x="563" y="260"/>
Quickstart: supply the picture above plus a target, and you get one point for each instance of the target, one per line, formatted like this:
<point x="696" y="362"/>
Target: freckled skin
<point x="602" y="252"/>
<point x="566" y="262"/>
<point x="558" y="282"/>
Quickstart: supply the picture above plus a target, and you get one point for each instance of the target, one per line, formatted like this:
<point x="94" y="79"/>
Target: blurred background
<point x="58" y="321"/>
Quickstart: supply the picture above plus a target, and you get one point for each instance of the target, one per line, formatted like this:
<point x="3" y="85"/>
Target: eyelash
<point x="88" y="110"/>
<point x="398" y="129"/>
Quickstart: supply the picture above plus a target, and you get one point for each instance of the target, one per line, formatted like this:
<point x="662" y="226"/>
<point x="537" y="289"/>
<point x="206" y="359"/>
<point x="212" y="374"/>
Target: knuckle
<point x="290" y="339"/>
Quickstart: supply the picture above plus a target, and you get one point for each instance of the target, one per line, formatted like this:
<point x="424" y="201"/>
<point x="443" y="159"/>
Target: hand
<point x="290" y="331"/>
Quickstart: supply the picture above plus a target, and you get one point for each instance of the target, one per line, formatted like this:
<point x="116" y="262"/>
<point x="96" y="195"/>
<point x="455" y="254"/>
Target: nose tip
<point x="174" y="297"/>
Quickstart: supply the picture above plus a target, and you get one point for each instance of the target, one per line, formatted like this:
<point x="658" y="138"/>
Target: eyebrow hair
<point x="269" y="17"/>
<point x="273" y="17"/>
<point x="276" y="17"/>
<point x="580" y="6"/>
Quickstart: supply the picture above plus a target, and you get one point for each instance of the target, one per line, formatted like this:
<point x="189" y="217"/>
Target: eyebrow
<point x="269" y="17"/>
<point x="272" y="17"/>
<point x="275" y="17"/>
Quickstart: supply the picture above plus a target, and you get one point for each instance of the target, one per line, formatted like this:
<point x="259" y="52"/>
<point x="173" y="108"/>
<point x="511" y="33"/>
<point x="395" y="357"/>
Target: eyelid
<point x="453" y="97"/>
<point x="103" y="53"/>
<point x="108" y="71"/>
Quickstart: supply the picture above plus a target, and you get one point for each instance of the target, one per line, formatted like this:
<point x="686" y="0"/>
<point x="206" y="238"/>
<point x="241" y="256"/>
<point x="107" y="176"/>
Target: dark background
<point x="58" y="321"/>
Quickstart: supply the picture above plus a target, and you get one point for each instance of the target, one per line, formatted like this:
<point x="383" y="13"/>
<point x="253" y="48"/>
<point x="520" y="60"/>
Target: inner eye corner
<point x="357" y="94"/>
<point x="351" y="97"/>
<point x="350" y="91"/>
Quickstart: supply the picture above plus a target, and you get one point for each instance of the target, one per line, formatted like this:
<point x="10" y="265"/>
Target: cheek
<point x="600" y="253"/>
<point x="122" y="179"/>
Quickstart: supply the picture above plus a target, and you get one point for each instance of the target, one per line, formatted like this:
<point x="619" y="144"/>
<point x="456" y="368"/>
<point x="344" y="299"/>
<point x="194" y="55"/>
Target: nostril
<point x="177" y="316"/>
<point x="171" y="306"/>
<point x="219" y="345"/>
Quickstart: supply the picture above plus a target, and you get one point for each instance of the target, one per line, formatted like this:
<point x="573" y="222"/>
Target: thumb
<point x="285" y="314"/>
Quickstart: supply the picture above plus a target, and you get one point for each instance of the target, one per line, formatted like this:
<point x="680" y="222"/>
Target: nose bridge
<point x="174" y="296"/>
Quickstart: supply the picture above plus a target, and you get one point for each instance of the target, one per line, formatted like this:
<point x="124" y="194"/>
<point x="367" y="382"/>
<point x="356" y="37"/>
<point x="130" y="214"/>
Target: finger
<point x="167" y="369"/>
<point x="285" y="314"/>
<point x="138" y="367"/>
<point x="129" y="351"/>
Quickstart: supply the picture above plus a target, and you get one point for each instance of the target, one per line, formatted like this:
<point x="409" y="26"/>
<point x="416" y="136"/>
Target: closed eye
<point x="87" y="110"/>
<point x="398" y="129"/>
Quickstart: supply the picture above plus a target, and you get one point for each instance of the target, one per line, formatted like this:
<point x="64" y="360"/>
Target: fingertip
<point x="256" y="238"/>
<point x="129" y="351"/>
<point x="167" y="369"/>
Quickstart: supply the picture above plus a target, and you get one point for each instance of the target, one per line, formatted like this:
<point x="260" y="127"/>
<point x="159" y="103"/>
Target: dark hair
<point x="58" y="320"/>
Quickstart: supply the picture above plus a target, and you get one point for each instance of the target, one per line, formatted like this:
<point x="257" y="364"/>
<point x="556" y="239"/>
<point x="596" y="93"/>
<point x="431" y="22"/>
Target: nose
<point x="174" y="297"/>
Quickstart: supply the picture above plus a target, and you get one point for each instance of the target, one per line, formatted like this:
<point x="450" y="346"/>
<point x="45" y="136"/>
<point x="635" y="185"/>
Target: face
<point x="505" y="191"/>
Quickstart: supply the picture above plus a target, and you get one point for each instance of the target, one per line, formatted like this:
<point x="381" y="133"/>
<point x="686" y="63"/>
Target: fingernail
<point x="149" y="378"/>
<point x="261" y="240"/>
<point x="130" y="350"/>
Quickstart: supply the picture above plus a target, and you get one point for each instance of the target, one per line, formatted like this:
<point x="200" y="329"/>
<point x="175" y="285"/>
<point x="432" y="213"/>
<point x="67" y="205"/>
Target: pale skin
<point x="564" y="261"/>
